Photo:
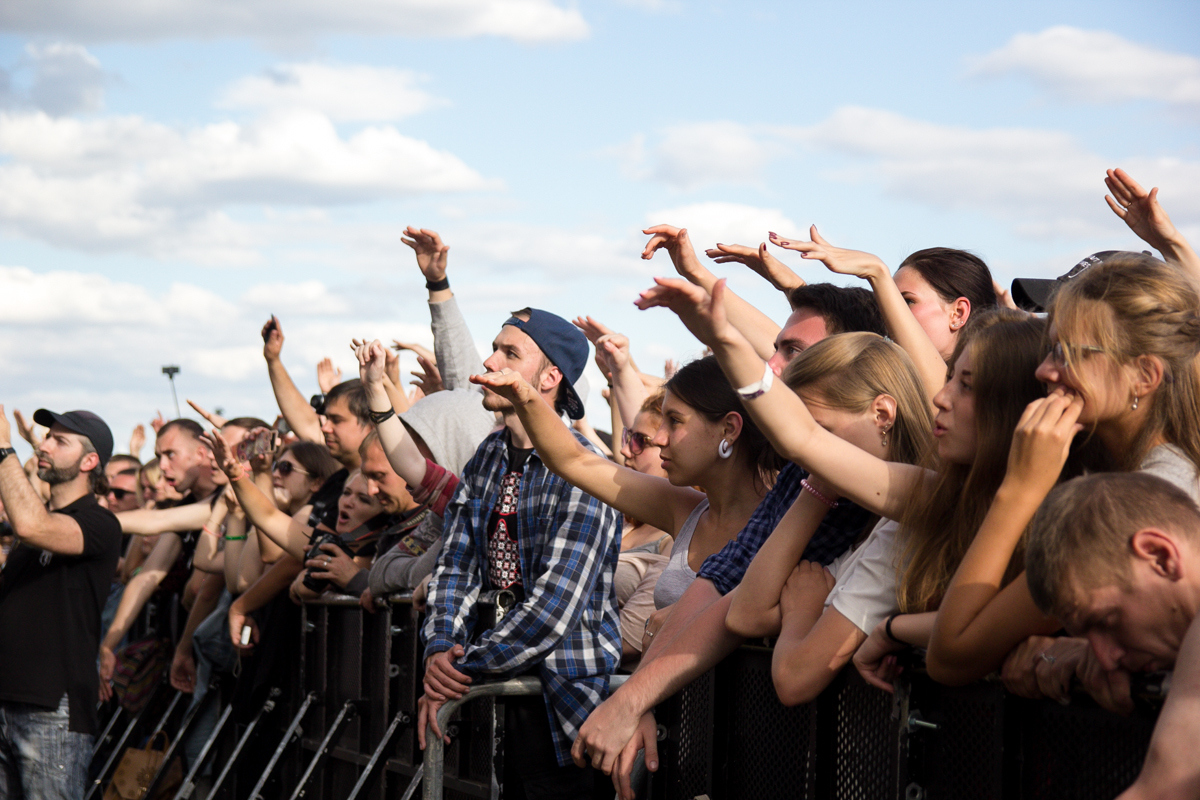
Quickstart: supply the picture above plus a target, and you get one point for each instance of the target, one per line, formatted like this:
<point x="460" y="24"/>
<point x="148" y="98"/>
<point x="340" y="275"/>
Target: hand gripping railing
<point x="432" y="771"/>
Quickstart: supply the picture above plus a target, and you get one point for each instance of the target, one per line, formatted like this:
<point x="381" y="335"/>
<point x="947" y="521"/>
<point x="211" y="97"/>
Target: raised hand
<point x="508" y="384"/>
<point x="775" y="272"/>
<point x="677" y="244"/>
<point x="137" y="440"/>
<point x="1004" y="297"/>
<point x="1139" y="209"/>
<point x="837" y="259"/>
<point x="328" y="376"/>
<point x="25" y="429"/>
<point x="418" y="349"/>
<point x="216" y="420"/>
<point x="391" y="366"/>
<point x="429" y="378"/>
<point x="1042" y="440"/>
<point x="272" y="334"/>
<point x="223" y="454"/>
<point x="157" y="422"/>
<point x="703" y="314"/>
<point x="372" y="360"/>
<point x="431" y="253"/>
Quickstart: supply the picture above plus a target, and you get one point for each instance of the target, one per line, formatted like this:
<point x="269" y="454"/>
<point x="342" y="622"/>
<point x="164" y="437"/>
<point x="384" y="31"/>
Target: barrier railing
<point x="345" y="727"/>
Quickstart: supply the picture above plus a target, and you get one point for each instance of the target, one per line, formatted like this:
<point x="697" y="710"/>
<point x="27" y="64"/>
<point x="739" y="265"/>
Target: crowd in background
<point x="1005" y="480"/>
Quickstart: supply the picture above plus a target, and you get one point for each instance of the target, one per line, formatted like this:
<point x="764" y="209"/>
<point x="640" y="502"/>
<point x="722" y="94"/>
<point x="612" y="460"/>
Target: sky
<point x="173" y="173"/>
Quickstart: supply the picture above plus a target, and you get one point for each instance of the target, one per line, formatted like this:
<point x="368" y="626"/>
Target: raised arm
<point x="648" y="498"/>
<point x="980" y="620"/>
<point x="755" y="610"/>
<point x="150" y="521"/>
<point x="208" y="556"/>
<point x="457" y="357"/>
<point x="880" y="486"/>
<point x="900" y="321"/>
<point x="767" y="266"/>
<point x="300" y="415"/>
<point x="613" y="357"/>
<point x="756" y="326"/>
<point x="1145" y="217"/>
<point x="401" y="450"/>
<point x="31" y="522"/>
<point x="285" y="531"/>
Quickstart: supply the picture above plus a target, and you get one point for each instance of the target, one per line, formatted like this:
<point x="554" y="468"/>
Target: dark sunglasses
<point x="121" y="494"/>
<point x="636" y="442"/>
<point x="285" y="468"/>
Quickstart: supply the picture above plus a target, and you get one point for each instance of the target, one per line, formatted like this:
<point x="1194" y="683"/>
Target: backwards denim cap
<point x="565" y="346"/>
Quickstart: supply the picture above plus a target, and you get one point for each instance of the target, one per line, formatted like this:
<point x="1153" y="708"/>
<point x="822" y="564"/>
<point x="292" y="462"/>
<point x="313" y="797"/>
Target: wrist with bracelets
<point x="439" y="285"/>
<point x="817" y="493"/>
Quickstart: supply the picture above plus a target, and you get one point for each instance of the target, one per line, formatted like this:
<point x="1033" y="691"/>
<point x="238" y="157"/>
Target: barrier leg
<point x="400" y="719"/>
<point x="349" y="708"/>
<point x="112" y="722"/>
<point x="292" y="727"/>
<point x="267" y="707"/>
<point x="111" y="762"/>
<point x="189" y="782"/>
<point x="169" y="756"/>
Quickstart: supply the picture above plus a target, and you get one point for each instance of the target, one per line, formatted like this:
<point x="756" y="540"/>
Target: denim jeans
<point x="213" y="652"/>
<point x="40" y="759"/>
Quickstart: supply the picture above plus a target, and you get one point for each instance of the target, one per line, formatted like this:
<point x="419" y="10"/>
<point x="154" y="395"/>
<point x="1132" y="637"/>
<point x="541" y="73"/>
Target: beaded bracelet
<point x="808" y="487"/>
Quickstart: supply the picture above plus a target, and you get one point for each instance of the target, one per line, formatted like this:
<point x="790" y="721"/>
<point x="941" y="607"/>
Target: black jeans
<point x="531" y="769"/>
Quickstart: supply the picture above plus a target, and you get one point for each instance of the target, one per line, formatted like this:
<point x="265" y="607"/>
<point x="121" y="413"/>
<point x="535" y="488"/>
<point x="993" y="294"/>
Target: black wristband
<point x="887" y="630"/>
<point x="5" y="452"/>
<point x="379" y="417"/>
<point x="437" y="286"/>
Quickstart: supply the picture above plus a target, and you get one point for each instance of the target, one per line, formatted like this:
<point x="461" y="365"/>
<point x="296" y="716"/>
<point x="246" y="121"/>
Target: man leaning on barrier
<point x="1116" y="558"/>
<point x="513" y="525"/>
<point x="52" y="589"/>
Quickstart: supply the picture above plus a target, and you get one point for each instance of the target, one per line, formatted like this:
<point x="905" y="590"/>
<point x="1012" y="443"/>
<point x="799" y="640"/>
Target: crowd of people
<point x="1007" y="481"/>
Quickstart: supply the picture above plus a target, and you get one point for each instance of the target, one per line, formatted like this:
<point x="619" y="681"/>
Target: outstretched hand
<point x="837" y="259"/>
<point x="431" y="253"/>
<point x="26" y="429"/>
<point x="510" y="385"/>
<point x="372" y="360"/>
<point x="272" y="334"/>
<point x="216" y="420"/>
<point x="677" y="244"/>
<point x="769" y="267"/>
<point x="702" y="313"/>
<point x="157" y="422"/>
<point x="223" y="454"/>
<point x="612" y="348"/>
<point x="1138" y="208"/>
<point x="137" y="440"/>
<point x="328" y="376"/>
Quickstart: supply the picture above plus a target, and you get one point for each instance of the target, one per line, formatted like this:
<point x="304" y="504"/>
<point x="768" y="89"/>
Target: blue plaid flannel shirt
<point x="567" y="628"/>
<point x="840" y="529"/>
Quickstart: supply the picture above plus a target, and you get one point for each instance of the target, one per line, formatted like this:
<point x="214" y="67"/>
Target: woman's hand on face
<point x="1042" y="439"/>
<point x="677" y="244"/>
<point x="372" y="360"/>
<point x="336" y="565"/>
<point x="837" y="259"/>
<point x="775" y="272"/>
<point x="703" y="314"/>
<point x="875" y="661"/>
<point x="510" y="385"/>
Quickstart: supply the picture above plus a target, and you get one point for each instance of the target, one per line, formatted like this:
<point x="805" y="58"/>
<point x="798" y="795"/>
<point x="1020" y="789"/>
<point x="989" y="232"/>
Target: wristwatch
<point x="5" y="452"/>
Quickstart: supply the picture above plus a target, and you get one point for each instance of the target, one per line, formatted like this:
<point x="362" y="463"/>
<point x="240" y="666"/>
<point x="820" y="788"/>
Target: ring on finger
<point x="1049" y="659"/>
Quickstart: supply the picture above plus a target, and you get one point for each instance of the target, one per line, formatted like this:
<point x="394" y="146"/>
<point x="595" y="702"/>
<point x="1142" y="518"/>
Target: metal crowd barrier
<point x="342" y="724"/>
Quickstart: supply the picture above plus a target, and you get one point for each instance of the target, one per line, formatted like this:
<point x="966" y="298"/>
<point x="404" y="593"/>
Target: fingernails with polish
<point x="773" y="234"/>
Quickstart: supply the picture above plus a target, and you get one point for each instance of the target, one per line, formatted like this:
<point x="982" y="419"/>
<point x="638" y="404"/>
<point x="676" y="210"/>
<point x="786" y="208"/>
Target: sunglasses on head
<point x="120" y="494"/>
<point x="285" y="468"/>
<point x="636" y="442"/>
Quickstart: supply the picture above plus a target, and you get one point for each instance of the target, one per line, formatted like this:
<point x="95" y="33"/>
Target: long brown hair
<point x="1135" y="305"/>
<point x="942" y="517"/>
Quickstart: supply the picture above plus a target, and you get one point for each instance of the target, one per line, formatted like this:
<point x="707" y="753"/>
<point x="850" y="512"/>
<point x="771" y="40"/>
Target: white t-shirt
<point x="1171" y="464"/>
<point x="865" y="591"/>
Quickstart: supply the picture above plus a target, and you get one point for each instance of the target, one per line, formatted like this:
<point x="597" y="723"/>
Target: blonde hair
<point x="850" y="370"/>
<point x="1135" y="305"/>
<point x="942" y="517"/>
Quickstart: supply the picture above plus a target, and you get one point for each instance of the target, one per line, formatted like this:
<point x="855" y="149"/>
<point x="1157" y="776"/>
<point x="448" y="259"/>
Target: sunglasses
<point x="285" y="468"/>
<point x="636" y="442"/>
<point x="121" y="494"/>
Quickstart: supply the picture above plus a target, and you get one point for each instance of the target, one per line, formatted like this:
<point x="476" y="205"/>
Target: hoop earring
<point x="725" y="449"/>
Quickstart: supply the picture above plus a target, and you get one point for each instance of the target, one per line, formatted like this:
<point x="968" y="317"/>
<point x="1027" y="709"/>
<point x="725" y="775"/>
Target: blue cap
<point x="562" y="343"/>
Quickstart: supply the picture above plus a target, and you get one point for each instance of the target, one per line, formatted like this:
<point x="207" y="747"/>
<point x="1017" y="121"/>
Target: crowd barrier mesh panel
<point x="864" y="732"/>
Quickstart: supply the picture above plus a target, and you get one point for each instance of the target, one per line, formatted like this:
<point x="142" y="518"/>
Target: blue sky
<point x="168" y="180"/>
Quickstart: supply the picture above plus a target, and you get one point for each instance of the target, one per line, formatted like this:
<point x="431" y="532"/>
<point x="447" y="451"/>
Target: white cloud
<point x="690" y="156"/>
<point x="1096" y="66"/>
<point x="725" y="223"/>
<point x="1044" y="182"/>
<point x="345" y="93"/>
<point x="58" y="78"/>
<point x="530" y="21"/>
<point x="126" y="183"/>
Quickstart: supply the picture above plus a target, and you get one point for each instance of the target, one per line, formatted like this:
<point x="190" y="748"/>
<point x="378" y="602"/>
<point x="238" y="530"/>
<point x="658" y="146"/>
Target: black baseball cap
<point x="85" y="423"/>
<point x="1036" y="294"/>
<point x="562" y="343"/>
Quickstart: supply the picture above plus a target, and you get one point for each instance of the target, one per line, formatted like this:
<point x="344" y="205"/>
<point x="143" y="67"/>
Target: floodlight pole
<point x="171" y="372"/>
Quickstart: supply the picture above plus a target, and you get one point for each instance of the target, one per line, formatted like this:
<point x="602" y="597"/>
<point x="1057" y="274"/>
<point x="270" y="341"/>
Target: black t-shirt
<point x="50" y="608"/>
<point x="325" y="501"/>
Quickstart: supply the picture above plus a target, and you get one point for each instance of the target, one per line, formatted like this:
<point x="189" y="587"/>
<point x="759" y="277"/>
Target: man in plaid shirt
<point x="513" y="525"/>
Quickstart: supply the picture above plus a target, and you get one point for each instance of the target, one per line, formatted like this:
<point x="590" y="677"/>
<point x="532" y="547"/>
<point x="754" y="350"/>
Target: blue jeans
<point x="40" y="758"/>
<point x="213" y="651"/>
